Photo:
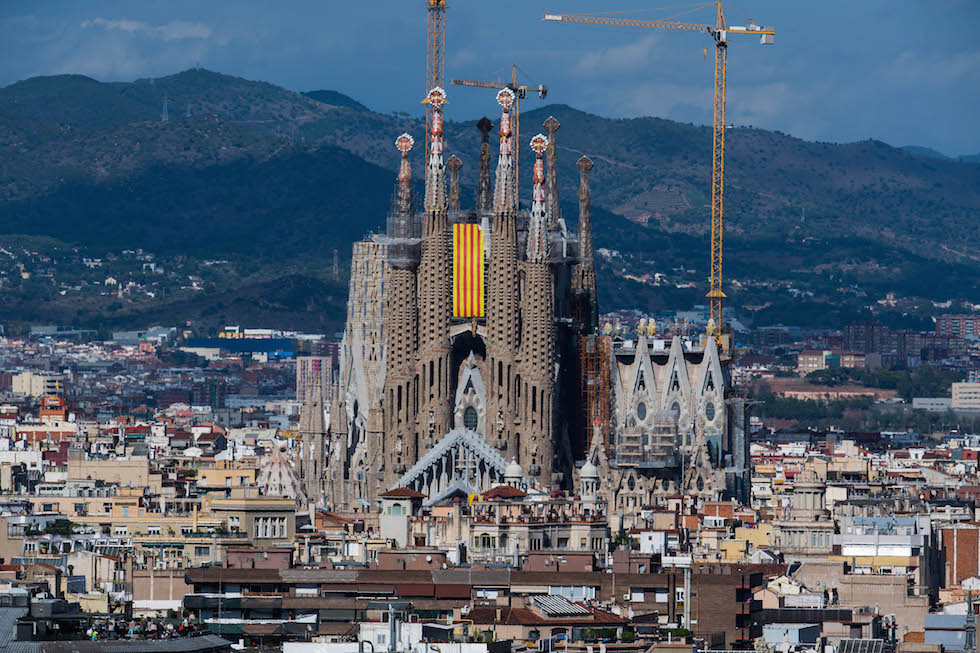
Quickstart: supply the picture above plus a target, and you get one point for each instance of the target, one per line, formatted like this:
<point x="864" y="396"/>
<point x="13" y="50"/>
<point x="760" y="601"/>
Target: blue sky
<point x="903" y="71"/>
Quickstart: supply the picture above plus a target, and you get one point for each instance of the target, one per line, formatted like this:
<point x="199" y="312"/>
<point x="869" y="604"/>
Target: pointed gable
<point x="645" y="383"/>
<point x="712" y="380"/>
<point x="678" y="386"/>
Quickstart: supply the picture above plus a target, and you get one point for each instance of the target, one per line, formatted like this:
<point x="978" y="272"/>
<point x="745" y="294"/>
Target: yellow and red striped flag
<point x="468" y="286"/>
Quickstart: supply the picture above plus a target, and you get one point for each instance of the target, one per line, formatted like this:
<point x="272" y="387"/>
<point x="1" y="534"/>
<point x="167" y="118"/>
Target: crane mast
<point x="435" y="54"/>
<point x="720" y="32"/>
<point x="715" y="292"/>
<point x="520" y="92"/>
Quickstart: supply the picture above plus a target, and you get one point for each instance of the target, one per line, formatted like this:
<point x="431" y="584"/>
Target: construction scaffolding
<point x="595" y="355"/>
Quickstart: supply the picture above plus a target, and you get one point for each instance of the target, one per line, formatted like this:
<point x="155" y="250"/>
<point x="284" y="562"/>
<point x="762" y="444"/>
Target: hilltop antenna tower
<point x="165" y="115"/>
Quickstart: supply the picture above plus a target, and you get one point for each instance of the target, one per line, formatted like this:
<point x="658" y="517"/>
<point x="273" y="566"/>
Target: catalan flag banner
<point x="468" y="286"/>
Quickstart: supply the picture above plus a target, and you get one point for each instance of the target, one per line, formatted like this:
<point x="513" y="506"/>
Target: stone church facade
<point x="446" y="405"/>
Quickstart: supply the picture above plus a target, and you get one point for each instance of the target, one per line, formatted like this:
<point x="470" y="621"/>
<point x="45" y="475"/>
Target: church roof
<point x="459" y="436"/>
<point x="504" y="492"/>
<point x="589" y="470"/>
<point x="402" y="493"/>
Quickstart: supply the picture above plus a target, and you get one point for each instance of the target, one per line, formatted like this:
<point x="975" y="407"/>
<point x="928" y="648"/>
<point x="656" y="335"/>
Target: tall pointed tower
<point x="484" y="197"/>
<point x="583" y="275"/>
<point x="435" y="291"/>
<point x="401" y="327"/>
<point x="502" y="306"/>
<point x="537" y="336"/>
<point x="551" y="125"/>
<point x="313" y="431"/>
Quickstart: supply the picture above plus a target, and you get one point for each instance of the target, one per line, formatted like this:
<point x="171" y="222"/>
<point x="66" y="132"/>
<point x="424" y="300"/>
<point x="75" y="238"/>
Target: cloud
<point x="912" y="68"/>
<point x="176" y="30"/>
<point x="621" y="59"/>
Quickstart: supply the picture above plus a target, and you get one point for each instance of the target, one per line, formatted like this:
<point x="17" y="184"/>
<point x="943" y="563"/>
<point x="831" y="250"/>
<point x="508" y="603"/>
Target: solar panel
<point x="554" y="605"/>
<point x="861" y="646"/>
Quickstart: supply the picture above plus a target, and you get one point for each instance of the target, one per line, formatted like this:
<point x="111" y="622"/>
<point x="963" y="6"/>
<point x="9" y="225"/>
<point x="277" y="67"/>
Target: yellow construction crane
<point x="435" y="55"/>
<point x="719" y="31"/>
<point x="520" y="92"/>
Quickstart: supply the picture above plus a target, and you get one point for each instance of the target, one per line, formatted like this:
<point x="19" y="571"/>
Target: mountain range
<point x="250" y="169"/>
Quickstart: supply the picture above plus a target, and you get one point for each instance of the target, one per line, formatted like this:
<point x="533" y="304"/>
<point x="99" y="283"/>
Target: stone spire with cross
<point x="483" y="191"/>
<point x="551" y="126"/>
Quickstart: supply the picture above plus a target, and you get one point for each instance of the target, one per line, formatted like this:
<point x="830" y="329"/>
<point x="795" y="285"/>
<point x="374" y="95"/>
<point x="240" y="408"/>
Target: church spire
<point x="483" y="202"/>
<point x="585" y="247"/>
<point x="583" y="276"/>
<point x="551" y="125"/>
<point x="435" y="175"/>
<point x="503" y="192"/>
<point x="404" y="143"/>
<point x="537" y="233"/>
<point x="454" y="164"/>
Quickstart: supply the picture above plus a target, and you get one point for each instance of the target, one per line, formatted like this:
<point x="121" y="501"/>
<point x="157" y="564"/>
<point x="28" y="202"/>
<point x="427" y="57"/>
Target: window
<point x="234" y="523"/>
<point x="120" y="530"/>
<point x="709" y="411"/>
<point x="470" y="418"/>
<point x="186" y="530"/>
<point x="641" y="411"/>
<point x="47" y="507"/>
<point x="202" y="551"/>
<point x="676" y="408"/>
<point x="79" y="507"/>
<point x="152" y="530"/>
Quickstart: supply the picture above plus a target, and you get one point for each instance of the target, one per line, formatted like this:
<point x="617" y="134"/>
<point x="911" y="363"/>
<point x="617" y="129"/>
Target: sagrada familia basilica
<point x="472" y="356"/>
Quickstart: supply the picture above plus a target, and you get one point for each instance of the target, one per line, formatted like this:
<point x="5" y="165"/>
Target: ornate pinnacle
<point x="454" y="164"/>
<point x="483" y="186"/>
<point x="404" y="143"/>
<point x="551" y="125"/>
<point x="435" y="186"/>
<point x="484" y="126"/>
<point x="537" y="237"/>
<point x="503" y="192"/>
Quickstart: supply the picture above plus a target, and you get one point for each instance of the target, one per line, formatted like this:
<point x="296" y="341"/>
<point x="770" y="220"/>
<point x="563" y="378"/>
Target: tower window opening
<point x="470" y="418"/>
